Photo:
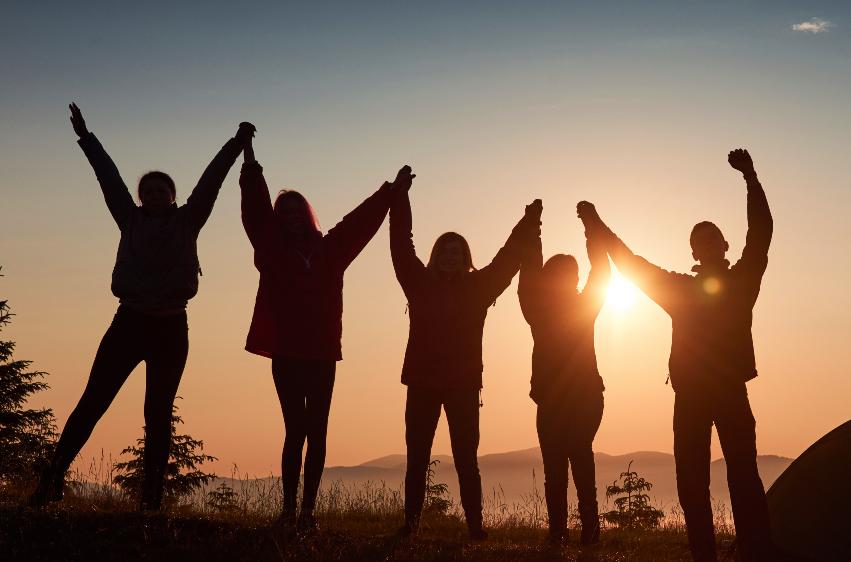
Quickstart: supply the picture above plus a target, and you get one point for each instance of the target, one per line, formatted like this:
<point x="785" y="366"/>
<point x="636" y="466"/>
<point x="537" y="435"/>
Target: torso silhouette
<point x="299" y="307"/>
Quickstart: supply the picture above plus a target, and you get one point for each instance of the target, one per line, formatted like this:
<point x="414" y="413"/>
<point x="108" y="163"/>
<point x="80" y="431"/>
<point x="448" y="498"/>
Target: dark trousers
<point x="162" y="342"/>
<point x="422" y="412"/>
<point x="566" y="430"/>
<point x="304" y="389"/>
<point x="730" y="411"/>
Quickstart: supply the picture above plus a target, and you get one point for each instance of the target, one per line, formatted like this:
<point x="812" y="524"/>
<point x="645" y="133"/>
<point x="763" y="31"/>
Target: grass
<point x="97" y="521"/>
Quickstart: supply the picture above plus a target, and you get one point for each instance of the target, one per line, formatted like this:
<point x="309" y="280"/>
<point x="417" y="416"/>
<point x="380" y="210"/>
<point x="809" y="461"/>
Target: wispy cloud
<point x="814" y="25"/>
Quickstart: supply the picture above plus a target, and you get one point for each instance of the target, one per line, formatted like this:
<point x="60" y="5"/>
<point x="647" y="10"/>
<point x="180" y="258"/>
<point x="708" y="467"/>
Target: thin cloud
<point x="814" y="25"/>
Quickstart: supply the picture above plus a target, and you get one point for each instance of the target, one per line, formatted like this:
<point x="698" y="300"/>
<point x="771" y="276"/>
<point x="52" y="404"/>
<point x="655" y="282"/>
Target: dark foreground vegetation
<point x="90" y="534"/>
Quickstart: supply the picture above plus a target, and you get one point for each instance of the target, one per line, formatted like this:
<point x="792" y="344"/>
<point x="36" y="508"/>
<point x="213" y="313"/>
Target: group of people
<point x="297" y="323"/>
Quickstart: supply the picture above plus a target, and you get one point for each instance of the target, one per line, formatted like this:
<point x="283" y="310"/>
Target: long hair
<point x="308" y="214"/>
<point x="448" y="238"/>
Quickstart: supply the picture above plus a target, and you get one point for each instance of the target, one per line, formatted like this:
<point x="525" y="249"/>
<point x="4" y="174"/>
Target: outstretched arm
<point x="496" y="276"/>
<point x="346" y="240"/>
<point x="408" y="267"/>
<point x="601" y="270"/>
<point x="115" y="192"/>
<point x="258" y="217"/>
<point x="531" y="264"/>
<point x="760" y="222"/>
<point x="200" y="203"/>
<point x="656" y="282"/>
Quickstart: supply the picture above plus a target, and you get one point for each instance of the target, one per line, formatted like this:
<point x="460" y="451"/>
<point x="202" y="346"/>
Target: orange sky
<point x="641" y="127"/>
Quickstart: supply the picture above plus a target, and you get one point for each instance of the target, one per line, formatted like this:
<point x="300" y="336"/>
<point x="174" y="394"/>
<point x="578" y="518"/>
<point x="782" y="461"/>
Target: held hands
<point x="534" y="210"/>
<point x="404" y="179"/>
<point x="245" y="133"/>
<point x="740" y="160"/>
<point x="587" y="213"/>
<point x="77" y="121"/>
<point x="243" y="136"/>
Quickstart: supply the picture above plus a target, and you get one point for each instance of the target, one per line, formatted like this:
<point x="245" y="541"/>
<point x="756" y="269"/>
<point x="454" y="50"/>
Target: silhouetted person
<point x="566" y="385"/>
<point x="712" y="357"/>
<point x="298" y="315"/>
<point x="156" y="273"/>
<point x="448" y="300"/>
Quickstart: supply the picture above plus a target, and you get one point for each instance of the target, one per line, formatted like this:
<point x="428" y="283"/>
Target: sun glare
<point x="621" y="294"/>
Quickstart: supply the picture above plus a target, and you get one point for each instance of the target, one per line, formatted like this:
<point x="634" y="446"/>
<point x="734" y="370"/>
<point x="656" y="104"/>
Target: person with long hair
<point x="297" y="320"/>
<point x="566" y="385"/>
<point x="448" y="300"/>
<point x="156" y="273"/>
<point x="712" y="358"/>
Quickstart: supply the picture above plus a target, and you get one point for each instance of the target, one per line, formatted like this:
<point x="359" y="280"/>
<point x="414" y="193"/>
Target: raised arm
<point x="408" y="267"/>
<point x="115" y="192"/>
<point x="531" y="264"/>
<point x="760" y="222"/>
<point x="495" y="277"/>
<point x="200" y="203"/>
<point x="258" y="217"/>
<point x="659" y="284"/>
<point x="601" y="270"/>
<point x="346" y="240"/>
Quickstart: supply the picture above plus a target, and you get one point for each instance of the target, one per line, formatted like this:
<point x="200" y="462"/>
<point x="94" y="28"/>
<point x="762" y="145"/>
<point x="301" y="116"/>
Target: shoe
<point x="557" y="537"/>
<point x="407" y="531"/>
<point x="477" y="534"/>
<point x="306" y="524"/>
<point x="590" y="534"/>
<point x="49" y="489"/>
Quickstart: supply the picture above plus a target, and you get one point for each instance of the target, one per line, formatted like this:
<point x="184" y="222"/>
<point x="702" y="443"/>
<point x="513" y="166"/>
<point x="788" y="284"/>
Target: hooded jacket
<point x="447" y="315"/>
<point x="711" y="312"/>
<point x="564" y="361"/>
<point x="298" y="312"/>
<point x="156" y="266"/>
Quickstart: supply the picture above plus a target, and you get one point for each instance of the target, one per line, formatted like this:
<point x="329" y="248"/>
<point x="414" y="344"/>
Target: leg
<point x="117" y="356"/>
<point x="737" y="433"/>
<point x="422" y="411"/>
<point x="320" y="387"/>
<point x="586" y="422"/>
<point x="462" y="414"/>
<point x="692" y="439"/>
<point x="167" y="347"/>
<point x="551" y="437"/>
<point x="289" y="383"/>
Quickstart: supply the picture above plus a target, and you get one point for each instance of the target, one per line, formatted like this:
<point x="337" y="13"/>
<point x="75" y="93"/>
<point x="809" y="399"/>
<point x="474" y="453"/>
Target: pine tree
<point x="27" y="436"/>
<point x="436" y="500"/>
<point x="183" y="475"/>
<point x="633" y="509"/>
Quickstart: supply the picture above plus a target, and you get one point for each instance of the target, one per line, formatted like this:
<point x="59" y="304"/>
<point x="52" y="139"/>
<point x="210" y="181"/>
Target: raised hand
<point x="77" y="121"/>
<point x="534" y="210"/>
<point x="740" y="160"/>
<point x="404" y="178"/>
<point x="244" y="135"/>
<point x="586" y="212"/>
<point x="245" y="132"/>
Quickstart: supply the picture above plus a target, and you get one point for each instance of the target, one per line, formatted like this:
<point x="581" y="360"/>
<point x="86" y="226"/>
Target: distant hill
<point x="513" y="476"/>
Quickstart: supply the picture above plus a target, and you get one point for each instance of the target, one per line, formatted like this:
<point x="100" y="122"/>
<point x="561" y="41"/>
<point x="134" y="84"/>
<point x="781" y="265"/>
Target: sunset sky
<point x="631" y="107"/>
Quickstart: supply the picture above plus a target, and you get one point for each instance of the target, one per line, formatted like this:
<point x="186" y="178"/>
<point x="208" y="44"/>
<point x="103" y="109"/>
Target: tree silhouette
<point x="183" y="475"/>
<point x="633" y="509"/>
<point x="436" y="500"/>
<point x="27" y="436"/>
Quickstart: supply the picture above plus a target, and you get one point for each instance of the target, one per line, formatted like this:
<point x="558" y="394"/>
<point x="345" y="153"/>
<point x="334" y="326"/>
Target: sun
<point x="621" y="294"/>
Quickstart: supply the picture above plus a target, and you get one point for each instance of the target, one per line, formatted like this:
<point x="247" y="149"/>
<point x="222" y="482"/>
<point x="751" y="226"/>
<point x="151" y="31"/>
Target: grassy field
<point x="75" y="533"/>
<point x="99" y="523"/>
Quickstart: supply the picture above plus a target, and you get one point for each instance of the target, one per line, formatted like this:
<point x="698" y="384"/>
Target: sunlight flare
<point x="621" y="294"/>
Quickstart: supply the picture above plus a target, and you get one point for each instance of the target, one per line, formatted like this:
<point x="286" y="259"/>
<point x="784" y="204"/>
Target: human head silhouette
<point x="156" y="191"/>
<point x="707" y="243"/>
<point x="561" y="272"/>
<point x="450" y="255"/>
<point x="295" y="214"/>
